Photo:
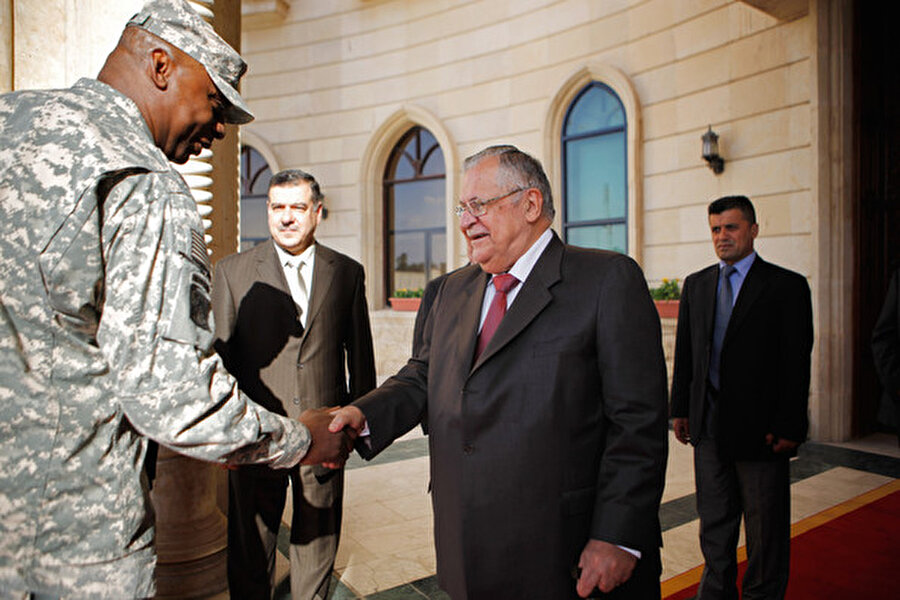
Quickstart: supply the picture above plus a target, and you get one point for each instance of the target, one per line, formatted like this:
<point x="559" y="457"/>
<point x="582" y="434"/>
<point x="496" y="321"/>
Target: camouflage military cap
<point x="180" y="25"/>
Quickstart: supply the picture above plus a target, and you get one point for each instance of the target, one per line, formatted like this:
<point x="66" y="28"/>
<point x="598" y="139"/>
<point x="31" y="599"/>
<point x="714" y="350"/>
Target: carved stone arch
<point x="371" y="176"/>
<point x="253" y="190"/>
<point x="249" y="138"/>
<point x="619" y="83"/>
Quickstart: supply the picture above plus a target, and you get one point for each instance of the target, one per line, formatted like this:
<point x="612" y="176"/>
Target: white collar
<point x="292" y="260"/>
<point x="523" y="266"/>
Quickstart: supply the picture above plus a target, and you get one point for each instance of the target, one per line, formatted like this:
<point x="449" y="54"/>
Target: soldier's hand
<point x="348" y="420"/>
<point x="326" y="447"/>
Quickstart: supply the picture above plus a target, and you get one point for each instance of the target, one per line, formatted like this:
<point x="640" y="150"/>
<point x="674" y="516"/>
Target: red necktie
<point x="503" y="283"/>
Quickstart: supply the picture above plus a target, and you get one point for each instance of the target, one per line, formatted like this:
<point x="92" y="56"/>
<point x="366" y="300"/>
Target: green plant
<point x="406" y="293"/>
<point x="667" y="290"/>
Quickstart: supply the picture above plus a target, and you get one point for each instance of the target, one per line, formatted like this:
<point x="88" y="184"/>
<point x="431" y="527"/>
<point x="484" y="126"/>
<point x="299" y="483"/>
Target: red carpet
<point x="848" y="552"/>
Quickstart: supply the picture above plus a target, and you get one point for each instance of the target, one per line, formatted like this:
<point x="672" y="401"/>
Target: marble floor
<point x="386" y="550"/>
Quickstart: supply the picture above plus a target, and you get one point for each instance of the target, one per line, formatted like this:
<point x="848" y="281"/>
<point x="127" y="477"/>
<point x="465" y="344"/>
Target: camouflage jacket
<point x="105" y="338"/>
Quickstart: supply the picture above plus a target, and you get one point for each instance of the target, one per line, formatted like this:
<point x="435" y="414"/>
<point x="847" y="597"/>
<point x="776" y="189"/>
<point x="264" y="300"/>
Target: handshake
<point x="333" y="431"/>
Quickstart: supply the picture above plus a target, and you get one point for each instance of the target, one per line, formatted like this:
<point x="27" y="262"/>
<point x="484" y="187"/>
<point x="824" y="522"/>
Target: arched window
<point x="255" y="176"/>
<point x="595" y="180"/>
<point x="415" y="215"/>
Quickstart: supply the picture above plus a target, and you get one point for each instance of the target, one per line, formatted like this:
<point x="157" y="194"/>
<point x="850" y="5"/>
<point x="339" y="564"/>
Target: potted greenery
<point x="406" y="299"/>
<point x="666" y="297"/>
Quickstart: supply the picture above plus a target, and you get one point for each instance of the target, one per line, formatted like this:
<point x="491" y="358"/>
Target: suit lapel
<point x="754" y="284"/>
<point x="705" y="297"/>
<point x="466" y="327"/>
<point x="323" y="275"/>
<point x="530" y="301"/>
<point x="269" y="269"/>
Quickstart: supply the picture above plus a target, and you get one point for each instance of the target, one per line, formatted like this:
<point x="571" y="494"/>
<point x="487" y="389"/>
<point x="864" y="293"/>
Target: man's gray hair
<point x="518" y="169"/>
<point x="290" y="177"/>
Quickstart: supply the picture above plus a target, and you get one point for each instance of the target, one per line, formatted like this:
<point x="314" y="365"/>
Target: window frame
<point x="389" y="181"/>
<point x="565" y="224"/>
<point x="246" y="191"/>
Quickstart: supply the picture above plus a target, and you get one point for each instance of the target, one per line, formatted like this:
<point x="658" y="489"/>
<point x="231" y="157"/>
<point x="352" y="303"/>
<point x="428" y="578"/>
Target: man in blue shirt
<point x="740" y="389"/>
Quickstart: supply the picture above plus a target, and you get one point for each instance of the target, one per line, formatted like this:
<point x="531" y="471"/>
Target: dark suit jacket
<point x="259" y="335"/>
<point x="555" y="435"/>
<point x="765" y="362"/>
<point x="428" y="296"/>
<point x="886" y="339"/>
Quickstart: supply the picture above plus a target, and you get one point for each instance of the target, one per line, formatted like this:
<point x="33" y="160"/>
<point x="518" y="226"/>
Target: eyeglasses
<point x="476" y="206"/>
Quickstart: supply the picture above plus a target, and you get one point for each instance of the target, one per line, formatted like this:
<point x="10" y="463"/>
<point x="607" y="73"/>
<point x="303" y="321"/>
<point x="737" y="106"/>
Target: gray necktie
<point x="304" y="294"/>
<point x="724" y="302"/>
<point x="302" y="301"/>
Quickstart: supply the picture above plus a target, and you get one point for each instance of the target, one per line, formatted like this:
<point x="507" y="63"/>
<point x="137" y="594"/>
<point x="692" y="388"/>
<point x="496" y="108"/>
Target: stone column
<point x="226" y="183"/>
<point x="831" y="394"/>
<point x="191" y="537"/>
<point x="190" y="496"/>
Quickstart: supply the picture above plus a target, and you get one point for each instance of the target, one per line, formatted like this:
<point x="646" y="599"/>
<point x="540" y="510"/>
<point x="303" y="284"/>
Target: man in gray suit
<point x="542" y="372"/>
<point x="290" y="314"/>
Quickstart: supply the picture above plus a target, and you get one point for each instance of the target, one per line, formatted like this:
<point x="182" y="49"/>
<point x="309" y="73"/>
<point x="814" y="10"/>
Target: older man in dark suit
<point x="739" y="395"/>
<point x="543" y="376"/>
<point x="290" y="314"/>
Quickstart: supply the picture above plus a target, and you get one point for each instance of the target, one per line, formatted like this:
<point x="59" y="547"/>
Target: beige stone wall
<point x="325" y="80"/>
<point x="6" y="46"/>
<point x="755" y="89"/>
<point x="392" y="332"/>
<point x="55" y="42"/>
<point x="334" y="85"/>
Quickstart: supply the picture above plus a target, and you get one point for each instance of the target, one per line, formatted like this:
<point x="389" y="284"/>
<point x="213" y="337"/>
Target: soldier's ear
<point x="162" y="64"/>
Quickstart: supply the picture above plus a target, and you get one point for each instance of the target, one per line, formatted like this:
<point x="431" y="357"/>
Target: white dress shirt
<point x="289" y="263"/>
<point x="520" y="270"/>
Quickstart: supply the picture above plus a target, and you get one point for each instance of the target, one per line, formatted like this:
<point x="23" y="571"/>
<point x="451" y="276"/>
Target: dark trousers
<point x="758" y="491"/>
<point x="255" y="506"/>
<point x="256" y="497"/>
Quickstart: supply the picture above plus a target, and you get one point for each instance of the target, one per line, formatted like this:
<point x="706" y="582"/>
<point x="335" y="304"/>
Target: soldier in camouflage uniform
<point x="105" y="328"/>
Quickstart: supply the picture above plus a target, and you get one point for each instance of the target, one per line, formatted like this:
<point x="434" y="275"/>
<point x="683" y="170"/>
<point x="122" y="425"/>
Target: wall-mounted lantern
<point x="711" y="151"/>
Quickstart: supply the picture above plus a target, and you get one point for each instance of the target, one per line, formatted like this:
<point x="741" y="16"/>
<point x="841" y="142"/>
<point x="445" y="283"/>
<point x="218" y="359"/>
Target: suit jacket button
<point x="299" y="365"/>
<point x="468" y="449"/>
<point x="297" y="401"/>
